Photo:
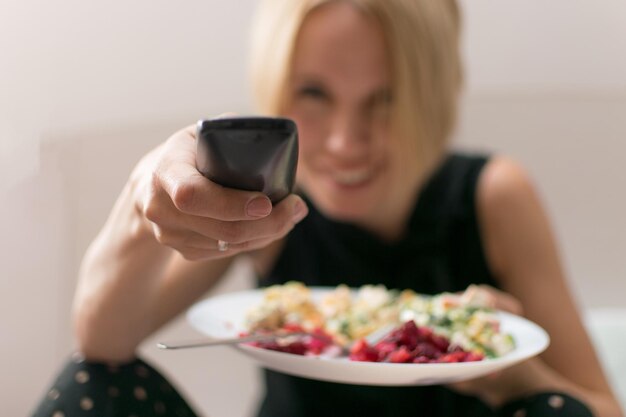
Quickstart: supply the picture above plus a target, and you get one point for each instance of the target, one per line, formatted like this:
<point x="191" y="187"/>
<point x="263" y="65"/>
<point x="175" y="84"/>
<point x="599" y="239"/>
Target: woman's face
<point x="339" y="95"/>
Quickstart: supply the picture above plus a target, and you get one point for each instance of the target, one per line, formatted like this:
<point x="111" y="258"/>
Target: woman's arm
<point x="523" y="256"/>
<point x="158" y="251"/>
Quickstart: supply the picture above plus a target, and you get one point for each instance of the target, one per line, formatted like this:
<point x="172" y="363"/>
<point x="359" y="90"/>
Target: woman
<point x="373" y="86"/>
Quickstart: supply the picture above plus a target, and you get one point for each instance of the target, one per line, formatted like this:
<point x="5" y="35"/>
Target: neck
<point x="392" y="226"/>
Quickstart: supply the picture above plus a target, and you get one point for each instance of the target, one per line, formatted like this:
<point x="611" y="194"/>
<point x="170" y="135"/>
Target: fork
<point x="230" y="341"/>
<point x="371" y="339"/>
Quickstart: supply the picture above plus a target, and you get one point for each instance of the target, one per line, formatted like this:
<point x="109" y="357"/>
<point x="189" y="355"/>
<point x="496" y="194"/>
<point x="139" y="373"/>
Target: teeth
<point x="352" y="177"/>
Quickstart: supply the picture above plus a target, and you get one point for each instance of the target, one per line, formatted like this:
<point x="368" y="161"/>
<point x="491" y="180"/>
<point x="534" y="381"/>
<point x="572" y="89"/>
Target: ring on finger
<point x="222" y="245"/>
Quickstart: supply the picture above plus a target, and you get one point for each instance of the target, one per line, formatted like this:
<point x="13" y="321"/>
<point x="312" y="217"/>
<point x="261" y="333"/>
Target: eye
<point x="312" y="92"/>
<point x="383" y="98"/>
<point x="378" y="107"/>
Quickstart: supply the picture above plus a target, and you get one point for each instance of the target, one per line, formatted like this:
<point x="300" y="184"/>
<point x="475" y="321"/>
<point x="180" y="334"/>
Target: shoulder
<point x="503" y="181"/>
<point x="523" y="253"/>
<point x="509" y="211"/>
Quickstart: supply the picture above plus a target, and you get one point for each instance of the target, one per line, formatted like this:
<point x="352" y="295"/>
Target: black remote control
<point x="249" y="153"/>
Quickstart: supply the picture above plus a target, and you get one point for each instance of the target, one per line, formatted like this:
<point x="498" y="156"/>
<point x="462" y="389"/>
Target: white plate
<point x="223" y="317"/>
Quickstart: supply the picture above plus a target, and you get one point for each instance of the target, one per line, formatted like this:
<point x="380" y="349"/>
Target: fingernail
<point x="259" y="207"/>
<point x="300" y="210"/>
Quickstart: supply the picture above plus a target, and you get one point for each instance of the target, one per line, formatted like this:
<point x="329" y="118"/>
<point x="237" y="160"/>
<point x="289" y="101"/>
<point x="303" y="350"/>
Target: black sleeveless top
<point x="441" y="251"/>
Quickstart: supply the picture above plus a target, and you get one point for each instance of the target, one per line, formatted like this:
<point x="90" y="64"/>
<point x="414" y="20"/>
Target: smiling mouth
<point x="352" y="178"/>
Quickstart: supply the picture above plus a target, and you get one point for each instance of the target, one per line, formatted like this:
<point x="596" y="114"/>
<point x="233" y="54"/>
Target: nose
<point x="349" y="136"/>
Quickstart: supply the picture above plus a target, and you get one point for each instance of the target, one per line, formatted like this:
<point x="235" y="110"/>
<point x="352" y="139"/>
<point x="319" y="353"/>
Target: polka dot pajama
<point x="135" y="389"/>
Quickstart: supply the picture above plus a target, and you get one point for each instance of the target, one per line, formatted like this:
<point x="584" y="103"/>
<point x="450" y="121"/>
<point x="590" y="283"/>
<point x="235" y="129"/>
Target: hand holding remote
<point x="192" y="214"/>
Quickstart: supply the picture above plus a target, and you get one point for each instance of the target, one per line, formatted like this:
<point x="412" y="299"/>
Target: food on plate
<point x="411" y="344"/>
<point x="445" y="327"/>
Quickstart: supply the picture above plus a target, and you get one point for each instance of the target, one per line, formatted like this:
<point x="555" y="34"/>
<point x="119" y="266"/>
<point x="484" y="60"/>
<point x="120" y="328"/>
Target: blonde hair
<point x="422" y="37"/>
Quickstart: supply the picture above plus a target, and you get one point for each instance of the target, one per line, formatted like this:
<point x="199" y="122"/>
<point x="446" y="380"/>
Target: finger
<point x="184" y="240"/>
<point x="503" y="300"/>
<point x="254" y="244"/>
<point x="197" y="241"/>
<point x="282" y="219"/>
<point x="194" y="194"/>
<point x="194" y="254"/>
<point x="210" y="250"/>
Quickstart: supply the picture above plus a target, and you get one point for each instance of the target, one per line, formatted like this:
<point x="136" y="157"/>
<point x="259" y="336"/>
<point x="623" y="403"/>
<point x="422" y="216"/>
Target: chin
<point x="346" y="204"/>
<point x="342" y="209"/>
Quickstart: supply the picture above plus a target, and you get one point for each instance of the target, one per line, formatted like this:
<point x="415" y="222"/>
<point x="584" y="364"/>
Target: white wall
<point x="80" y="66"/>
<point x="86" y="88"/>
<point x="539" y="46"/>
